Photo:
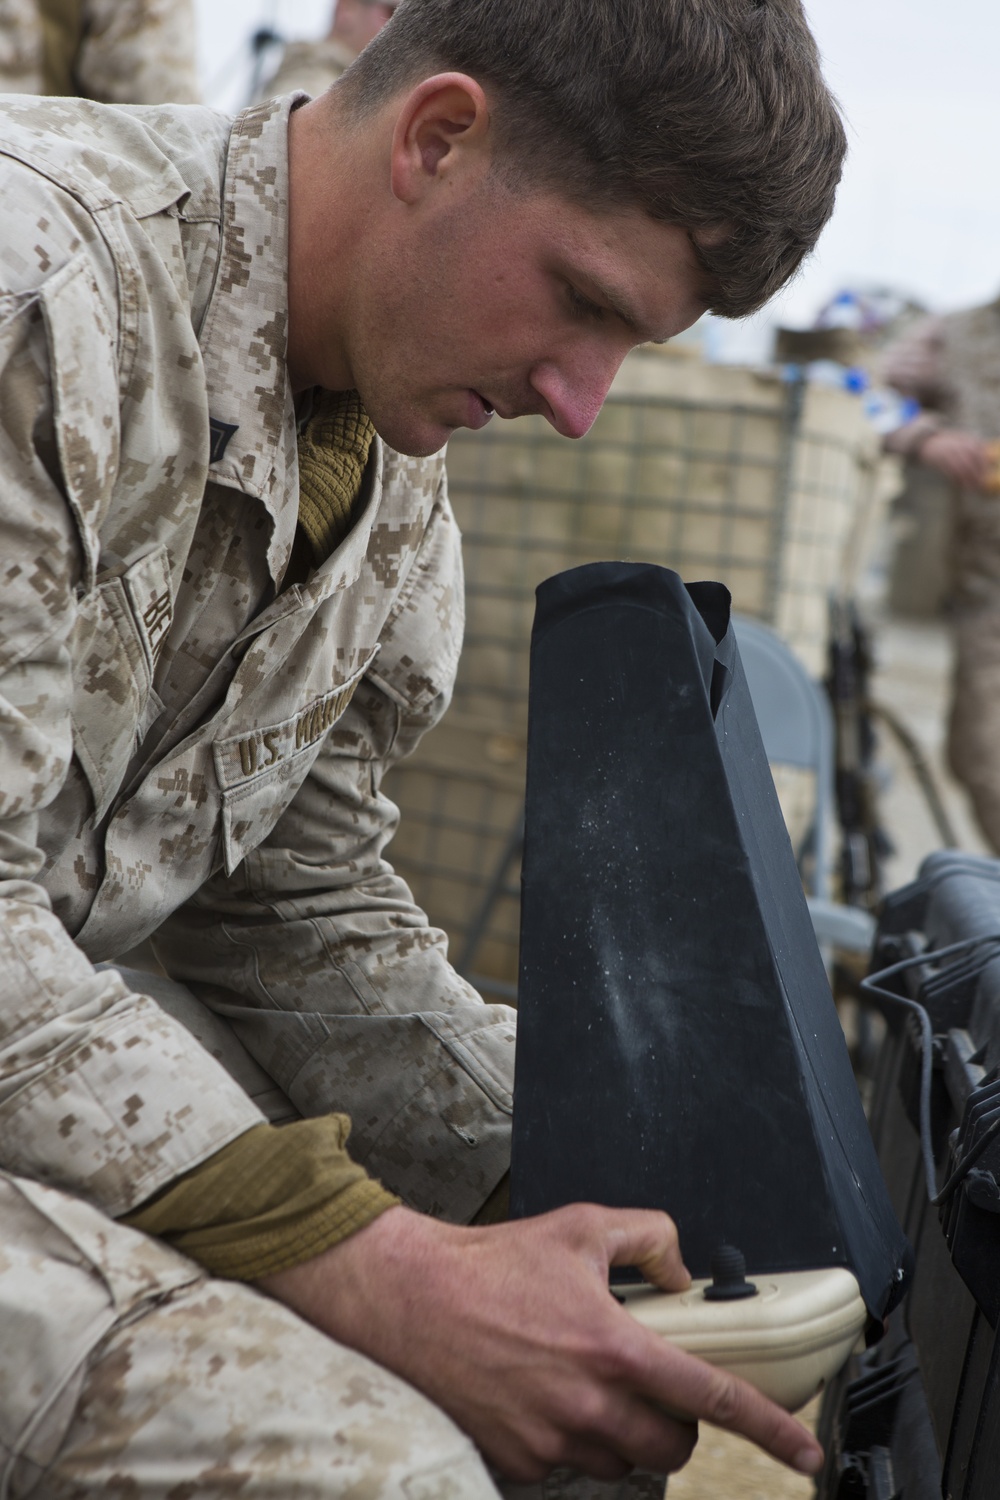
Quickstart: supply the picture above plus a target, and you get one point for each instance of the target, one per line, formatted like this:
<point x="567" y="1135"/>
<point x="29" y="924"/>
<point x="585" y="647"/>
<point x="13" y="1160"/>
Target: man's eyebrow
<point x="617" y="303"/>
<point x="595" y="287"/>
<point x="620" y="306"/>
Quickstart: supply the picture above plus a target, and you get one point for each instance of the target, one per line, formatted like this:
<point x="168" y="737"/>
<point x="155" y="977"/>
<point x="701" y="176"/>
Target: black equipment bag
<point x="678" y="1046"/>
<point x="918" y="1416"/>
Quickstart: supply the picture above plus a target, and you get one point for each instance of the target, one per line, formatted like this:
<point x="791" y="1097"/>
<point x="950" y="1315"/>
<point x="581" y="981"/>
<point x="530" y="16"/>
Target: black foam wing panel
<point x="678" y="1046"/>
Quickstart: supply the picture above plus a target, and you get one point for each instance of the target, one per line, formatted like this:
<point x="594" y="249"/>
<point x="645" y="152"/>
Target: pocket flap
<point x="252" y="753"/>
<point x="261" y="769"/>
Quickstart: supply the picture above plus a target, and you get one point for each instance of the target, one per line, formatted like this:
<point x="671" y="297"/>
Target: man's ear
<point x="442" y="129"/>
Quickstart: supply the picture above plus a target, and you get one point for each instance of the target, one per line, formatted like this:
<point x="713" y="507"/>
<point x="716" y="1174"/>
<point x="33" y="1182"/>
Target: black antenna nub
<point x="729" y="1276"/>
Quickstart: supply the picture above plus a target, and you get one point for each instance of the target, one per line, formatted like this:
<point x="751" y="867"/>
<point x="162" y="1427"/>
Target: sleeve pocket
<point x="81" y="338"/>
<point x="120" y="626"/>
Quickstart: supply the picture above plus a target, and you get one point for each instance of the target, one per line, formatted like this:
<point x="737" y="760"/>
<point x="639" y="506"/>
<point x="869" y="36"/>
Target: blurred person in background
<point x="115" y="51"/>
<point x="313" y="66"/>
<point x="951" y="366"/>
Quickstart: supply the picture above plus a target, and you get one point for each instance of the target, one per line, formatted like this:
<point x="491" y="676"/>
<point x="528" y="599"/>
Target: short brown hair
<point x="710" y="114"/>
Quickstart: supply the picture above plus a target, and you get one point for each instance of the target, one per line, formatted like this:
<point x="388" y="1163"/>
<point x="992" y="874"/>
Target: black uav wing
<point x="678" y="1046"/>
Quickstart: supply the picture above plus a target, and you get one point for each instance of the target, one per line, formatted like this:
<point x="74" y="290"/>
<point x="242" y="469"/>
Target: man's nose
<point x="574" y="394"/>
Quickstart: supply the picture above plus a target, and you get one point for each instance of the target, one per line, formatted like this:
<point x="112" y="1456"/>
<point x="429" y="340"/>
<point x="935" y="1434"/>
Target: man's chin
<point x="415" y="440"/>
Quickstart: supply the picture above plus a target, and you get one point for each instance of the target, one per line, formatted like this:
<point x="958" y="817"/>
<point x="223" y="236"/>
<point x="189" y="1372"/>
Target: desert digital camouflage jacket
<point x="184" y="745"/>
<point x="118" y="51"/>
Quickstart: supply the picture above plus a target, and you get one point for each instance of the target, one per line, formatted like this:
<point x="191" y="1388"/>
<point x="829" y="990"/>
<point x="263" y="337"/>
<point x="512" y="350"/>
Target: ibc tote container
<point x="768" y="485"/>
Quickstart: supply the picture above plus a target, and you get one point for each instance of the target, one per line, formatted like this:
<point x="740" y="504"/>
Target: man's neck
<point x="323" y="232"/>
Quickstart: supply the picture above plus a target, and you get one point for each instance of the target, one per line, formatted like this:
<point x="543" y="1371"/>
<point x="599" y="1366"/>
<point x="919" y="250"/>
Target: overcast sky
<point x="919" y="80"/>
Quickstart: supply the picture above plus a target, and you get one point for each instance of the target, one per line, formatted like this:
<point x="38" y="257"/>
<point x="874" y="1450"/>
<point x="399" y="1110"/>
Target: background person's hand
<point x="512" y="1331"/>
<point x="959" y="456"/>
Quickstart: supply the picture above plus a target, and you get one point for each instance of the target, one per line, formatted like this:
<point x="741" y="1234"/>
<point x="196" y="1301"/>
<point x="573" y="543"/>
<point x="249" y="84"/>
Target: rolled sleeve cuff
<point x="275" y="1198"/>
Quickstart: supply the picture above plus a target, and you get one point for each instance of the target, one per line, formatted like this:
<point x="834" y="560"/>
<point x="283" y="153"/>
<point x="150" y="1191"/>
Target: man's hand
<point x="960" y="456"/>
<point x="512" y="1331"/>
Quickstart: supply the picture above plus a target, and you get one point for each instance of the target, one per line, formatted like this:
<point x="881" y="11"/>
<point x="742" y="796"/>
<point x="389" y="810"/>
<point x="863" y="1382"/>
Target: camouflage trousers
<point x="123" y="1367"/>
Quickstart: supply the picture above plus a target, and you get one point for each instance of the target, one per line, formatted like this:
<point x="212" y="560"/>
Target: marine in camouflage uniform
<point x="951" y="365"/>
<point x="313" y="66"/>
<point x="310" y="66"/>
<point x="190" y="748"/>
<point x="118" y="51"/>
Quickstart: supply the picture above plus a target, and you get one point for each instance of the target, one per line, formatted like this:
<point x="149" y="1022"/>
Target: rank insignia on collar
<point x="220" y="433"/>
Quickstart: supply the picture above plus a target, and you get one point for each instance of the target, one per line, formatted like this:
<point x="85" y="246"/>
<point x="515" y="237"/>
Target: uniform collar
<point x="245" y="331"/>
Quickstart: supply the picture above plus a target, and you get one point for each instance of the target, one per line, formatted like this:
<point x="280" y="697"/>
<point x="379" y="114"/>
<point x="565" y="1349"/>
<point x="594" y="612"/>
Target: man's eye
<point x="581" y="306"/>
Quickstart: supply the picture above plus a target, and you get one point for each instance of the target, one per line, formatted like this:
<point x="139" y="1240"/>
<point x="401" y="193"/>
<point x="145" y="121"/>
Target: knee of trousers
<point x="68" y="1277"/>
<point x="227" y="1393"/>
<point x="123" y="1366"/>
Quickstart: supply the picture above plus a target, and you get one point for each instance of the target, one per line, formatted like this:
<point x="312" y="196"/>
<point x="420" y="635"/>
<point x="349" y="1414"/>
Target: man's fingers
<point x="515" y="1336"/>
<point x="686" y="1384"/>
<point x="611" y="1433"/>
<point x="663" y="1453"/>
<point x="676" y="1382"/>
<point x="649" y="1438"/>
<point x="647" y="1239"/>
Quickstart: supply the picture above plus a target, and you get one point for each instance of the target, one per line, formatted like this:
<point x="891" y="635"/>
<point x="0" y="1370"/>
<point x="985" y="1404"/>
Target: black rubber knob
<point x="729" y="1276"/>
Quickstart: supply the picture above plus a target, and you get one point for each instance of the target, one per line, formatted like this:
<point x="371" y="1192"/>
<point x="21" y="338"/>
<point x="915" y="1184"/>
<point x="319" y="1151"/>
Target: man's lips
<point x="506" y="413"/>
<point x="478" y="410"/>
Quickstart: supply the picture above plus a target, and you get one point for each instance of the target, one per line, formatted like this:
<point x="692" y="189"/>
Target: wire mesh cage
<point x="717" y="472"/>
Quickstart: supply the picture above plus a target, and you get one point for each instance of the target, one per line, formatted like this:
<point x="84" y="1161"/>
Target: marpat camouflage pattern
<point x="117" y="51"/>
<point x="159" y="1383"/>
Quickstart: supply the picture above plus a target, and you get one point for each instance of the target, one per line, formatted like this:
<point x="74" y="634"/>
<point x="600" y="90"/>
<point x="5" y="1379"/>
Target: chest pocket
<point x="260" y="770"/>
<point x="121" y="626"/>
